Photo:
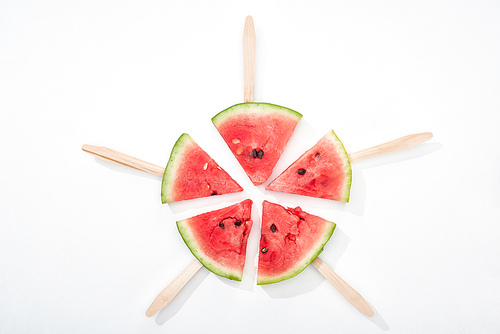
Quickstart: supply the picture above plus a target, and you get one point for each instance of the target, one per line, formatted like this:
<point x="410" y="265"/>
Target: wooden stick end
<point x="427" y="135"/>
<point x="369" y="312"/>
<point x="150" y="312"/>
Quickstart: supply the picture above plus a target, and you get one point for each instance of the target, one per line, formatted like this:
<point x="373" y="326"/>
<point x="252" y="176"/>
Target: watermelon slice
<point x="257" y="134"/>
<point x="218" y="239"/>
<point x="323" y="171"/>
<point x="192" y="173"/>
<point x="290" y="240"/>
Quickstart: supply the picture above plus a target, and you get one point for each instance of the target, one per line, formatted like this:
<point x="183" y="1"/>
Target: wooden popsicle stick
<point x="399" y="144"/>
<point x="351" y="295"/>
<point x="110" y="155"/>
<point x="166" y="295"/>
<point x="249" y="45"/>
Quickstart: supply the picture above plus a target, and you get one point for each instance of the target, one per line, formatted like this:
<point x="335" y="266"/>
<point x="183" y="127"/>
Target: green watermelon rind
<point x="304" y="263"/>
<point x="170" y="171"/>
<point x="186" y="235"/>
<point x="347" y="166"/>
<point x="253" y="107"/>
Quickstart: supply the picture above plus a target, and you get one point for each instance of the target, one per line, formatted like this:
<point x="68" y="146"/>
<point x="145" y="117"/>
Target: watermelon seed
<point x="273" y="228"/>
<point x="236" y="141"/>
<point x="213" y="193"/>
<point x="254" y="153"/>
<point x="301" y="171"/>
<point x="205" y="166"/>
<point x="301" y="218"/>
<point x="237" y="223"/>
<point x="260" y="154"/>
<point x="264" y="250"/>
<point x="221" y="225"/>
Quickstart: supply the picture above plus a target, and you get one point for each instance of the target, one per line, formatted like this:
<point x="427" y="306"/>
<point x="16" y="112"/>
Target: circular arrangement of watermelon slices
<point x="257" y="133"/>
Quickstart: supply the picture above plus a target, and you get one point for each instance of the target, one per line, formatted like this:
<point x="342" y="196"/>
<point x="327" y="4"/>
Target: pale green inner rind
<point x="253" y="107"/>
<point x="347" y="165"/>
<point x="187" y="236"/>
<point x="170" y="171"/>
<point x="315" y="251"/>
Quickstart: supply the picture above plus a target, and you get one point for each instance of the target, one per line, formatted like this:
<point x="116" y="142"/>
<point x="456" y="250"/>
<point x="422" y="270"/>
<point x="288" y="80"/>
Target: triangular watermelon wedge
<point x="257" y="134"/>
<point x="324" y="171"/>
<point x="218" y="239"/>
<point x="290" y="240"/>
<point x="192" y="173"/>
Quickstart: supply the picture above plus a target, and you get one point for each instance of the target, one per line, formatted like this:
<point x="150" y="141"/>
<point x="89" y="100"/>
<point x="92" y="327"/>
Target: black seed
<point x="221" y="225"/>
<point x="317" y="155"/>
<point x="264" y="250"/>
<point x="301" y="171"/>
<point x="237" y="223"/>
<point x="273" y="228"/>
<point x="260" y="154"/>
<point x="213" y="193"/>
<point x="254" y="153"/>
<point x="301" y="218"/>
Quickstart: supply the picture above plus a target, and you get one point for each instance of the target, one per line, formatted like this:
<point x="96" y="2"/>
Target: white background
<point x="85" y="245"/>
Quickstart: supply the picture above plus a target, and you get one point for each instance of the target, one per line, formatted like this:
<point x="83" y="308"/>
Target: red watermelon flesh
<point x="218" y="239"/>
<point x="290" y="240"/>
<point x="192" y="173"/>
<point x="323" y="171"/>
<point x="257" y="134"/>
